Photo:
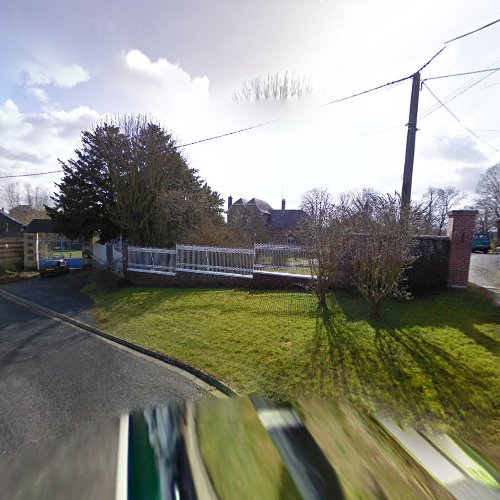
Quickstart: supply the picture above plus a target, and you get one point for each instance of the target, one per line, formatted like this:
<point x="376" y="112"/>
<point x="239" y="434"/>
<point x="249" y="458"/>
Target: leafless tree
<point x="438" y="202"/>
<point x="488" y="199"/>
<point x="275" y="86"/>
<point x="382" y="246"/>
<point x="25" y="202"/>
<point x="323" y="233"/>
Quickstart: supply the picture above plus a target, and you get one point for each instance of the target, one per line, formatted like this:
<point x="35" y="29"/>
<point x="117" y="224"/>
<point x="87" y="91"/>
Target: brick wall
<point x="260" y="280"/>
<point x="460" y="230"/>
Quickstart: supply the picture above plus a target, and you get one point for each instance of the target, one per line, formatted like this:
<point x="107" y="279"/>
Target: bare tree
<point x="382" y="249"/>
<point x="323" y="234"/>
<point x="26" y="202"/>
<point x="275" y="86"/>
<point x="439" y="201"/>
<point x="488" y="199"/>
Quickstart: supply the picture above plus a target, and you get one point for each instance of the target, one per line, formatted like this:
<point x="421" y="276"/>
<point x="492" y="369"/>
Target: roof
<point x="11" y="219"/>
<point x="41" y="226"/>
<point x="241" y="201"/>
<point x="262" y="205"/>
<point x="285" y="219"/>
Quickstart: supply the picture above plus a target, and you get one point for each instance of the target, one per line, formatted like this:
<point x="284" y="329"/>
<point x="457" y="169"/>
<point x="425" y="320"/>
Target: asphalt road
<point x="485" y="270"/>
<point x="55" y="378"/>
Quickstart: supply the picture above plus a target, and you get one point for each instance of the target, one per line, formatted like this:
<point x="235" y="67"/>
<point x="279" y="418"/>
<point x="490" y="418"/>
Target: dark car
<point x="53" y="267"/>
<point x="480" y="242"/>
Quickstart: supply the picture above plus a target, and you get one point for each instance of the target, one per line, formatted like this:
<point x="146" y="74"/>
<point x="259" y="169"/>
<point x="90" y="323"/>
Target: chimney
<point x="229" y="202"/>
<point x="283" y="205"/>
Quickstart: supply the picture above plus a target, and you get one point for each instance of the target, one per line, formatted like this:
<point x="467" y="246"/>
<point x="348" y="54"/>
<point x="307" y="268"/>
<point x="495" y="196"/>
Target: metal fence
<point x="151" y="260"/>
<point x="99" y="252"/>
<point x="212" y="260"/>
<point x="238" y="262"/>
<point x="281" y="259"/>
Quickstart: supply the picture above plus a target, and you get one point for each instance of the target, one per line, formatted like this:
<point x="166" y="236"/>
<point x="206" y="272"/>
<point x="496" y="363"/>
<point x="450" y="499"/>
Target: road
<point x="485" y="270"/>
<point x="55" y="378"/>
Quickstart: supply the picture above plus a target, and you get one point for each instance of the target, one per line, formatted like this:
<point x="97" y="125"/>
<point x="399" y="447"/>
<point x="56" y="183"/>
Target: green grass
<point x="67" y="254"/>
<point x="428" y="360"/>
<point x="240" y="457"/>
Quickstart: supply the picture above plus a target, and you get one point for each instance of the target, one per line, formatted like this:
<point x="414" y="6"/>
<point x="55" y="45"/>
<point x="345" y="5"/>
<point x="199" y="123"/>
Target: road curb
<point x="205" y="377"/>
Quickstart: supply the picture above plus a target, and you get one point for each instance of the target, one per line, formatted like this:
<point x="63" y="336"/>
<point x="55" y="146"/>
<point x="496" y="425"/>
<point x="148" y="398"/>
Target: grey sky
<point x="66" y="64"/>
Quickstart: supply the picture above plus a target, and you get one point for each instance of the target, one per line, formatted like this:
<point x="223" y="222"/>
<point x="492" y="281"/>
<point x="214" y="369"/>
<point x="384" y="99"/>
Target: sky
<point x="68" y="65"/>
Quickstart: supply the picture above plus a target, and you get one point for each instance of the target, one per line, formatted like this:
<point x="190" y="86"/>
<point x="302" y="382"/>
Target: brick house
<point x="266" y="223"/>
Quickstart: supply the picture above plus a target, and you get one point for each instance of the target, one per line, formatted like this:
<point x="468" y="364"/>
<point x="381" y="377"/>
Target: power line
<point x="228" y="133"/>
<point x="459" y="91"/>
<point x="378" y="87"/>
<point x="30" y="175"/>
<point x="262" y="124"/>
<point x="458" y="119"/>
<point x="431" y="59"/>
<point x="473" y="31"/>
<point x="461" y="74"/>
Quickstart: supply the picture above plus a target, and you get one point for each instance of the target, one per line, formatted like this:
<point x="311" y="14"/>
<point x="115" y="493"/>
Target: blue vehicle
<point x="480" y="242"/>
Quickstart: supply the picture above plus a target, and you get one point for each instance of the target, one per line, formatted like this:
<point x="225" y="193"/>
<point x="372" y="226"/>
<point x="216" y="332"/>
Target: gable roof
<point x="262" y="205"/>
<point x="240" y="201"/>
<point x="285" y="219"/>
<point x="10" y="218"/>
<point x="41" y="226"/>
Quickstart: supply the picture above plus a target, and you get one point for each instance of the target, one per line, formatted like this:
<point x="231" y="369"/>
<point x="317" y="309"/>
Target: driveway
<point x="59" y="293"/>
<point x="55" y="378"/>
<point x="485" y="270"/>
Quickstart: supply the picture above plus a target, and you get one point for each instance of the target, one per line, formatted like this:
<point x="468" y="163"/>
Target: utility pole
<point x="410" y="143"/>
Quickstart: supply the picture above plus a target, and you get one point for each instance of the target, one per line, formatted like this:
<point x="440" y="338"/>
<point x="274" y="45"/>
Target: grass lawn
<point x="433" y="359"/>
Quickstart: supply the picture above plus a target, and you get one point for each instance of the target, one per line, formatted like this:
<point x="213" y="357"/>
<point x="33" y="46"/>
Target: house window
<point x="290" y="240"/>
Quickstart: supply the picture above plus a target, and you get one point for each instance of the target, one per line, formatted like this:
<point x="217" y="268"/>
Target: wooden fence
<point x="11" y="252"/>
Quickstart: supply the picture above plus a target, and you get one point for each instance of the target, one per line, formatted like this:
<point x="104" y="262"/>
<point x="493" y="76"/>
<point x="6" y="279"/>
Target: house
<point x="25" y="213"/>
<point x="9" y="227"/>
<point x="265" y="222"/>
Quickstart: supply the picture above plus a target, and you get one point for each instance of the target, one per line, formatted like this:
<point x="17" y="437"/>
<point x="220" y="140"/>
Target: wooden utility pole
<point x="410" y="142"/>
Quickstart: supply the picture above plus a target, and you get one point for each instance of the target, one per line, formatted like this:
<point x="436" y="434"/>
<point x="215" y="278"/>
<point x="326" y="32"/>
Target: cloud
<point x="33" y="142"/>
<point x="39" y="93"/>
<point x="165" y="74"/>
<point x="54" y="73"/>
<point x="461" y="148"/>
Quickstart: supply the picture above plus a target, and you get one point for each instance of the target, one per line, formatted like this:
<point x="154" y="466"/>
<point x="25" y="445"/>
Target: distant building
<point x="9" y="227"/>
<point x="25" y="213"/>
<point x="277" y="225"/>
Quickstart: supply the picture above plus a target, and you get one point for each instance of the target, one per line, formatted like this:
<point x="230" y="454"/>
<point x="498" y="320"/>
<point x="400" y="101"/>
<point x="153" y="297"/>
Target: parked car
<point x="480" y="242"/>
<point x="53" y="267"/>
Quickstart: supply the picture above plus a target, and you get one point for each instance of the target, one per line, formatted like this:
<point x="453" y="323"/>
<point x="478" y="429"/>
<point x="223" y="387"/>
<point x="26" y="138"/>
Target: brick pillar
<point x="30" y="251"/>
<point x="460" y="229"/>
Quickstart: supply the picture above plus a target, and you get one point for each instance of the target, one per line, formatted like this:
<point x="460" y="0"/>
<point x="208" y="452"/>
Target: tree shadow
<point x="404" y="373"/>
<point x="453" y="308"/>
<point x="337" y="357"/>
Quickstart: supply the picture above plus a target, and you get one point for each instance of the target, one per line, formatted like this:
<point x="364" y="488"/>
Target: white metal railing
<point x="99" y="253"/>
<point x="151" y="260"/>
<point x="117" y="254"/>
<point x="282" y="259"/>
<point x="214" y="260"/>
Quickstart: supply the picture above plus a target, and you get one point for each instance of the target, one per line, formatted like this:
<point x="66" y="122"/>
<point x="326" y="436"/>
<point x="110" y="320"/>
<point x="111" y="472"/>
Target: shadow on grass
<point x="413" y="377"/>
<point x="461" y="310"/>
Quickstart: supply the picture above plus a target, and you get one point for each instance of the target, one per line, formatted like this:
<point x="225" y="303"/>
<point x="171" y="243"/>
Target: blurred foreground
<point x="249" y="448"/>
